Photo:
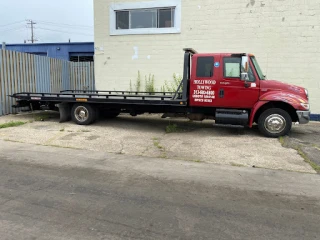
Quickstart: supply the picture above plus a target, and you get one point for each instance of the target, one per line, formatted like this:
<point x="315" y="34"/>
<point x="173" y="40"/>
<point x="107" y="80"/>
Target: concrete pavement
<point x="56" y="193"/>
<point x="307" y="140"/>
<point x="146" y="136"/>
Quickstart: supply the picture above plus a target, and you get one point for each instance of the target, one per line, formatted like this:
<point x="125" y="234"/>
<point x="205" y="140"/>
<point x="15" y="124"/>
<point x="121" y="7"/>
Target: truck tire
<point x="274" y="122"/>
<point x="83" y="113"/>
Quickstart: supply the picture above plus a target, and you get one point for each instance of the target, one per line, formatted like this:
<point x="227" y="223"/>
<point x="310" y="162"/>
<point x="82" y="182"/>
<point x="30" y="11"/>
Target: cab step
<point x="229" y="126"/>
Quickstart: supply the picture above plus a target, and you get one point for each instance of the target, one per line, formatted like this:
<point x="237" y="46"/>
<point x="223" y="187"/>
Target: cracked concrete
<point x="194" y="141"/>
<point x="306" y="140"/>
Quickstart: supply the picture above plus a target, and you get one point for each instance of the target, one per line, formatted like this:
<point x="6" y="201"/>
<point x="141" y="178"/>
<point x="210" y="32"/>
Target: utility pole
<point x="32" y="23"/>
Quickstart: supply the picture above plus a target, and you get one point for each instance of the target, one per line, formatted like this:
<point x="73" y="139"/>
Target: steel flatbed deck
<point x="105" y="97"/>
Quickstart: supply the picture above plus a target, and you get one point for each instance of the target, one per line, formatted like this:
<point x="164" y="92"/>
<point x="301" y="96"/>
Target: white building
<point x="148" y="36"/>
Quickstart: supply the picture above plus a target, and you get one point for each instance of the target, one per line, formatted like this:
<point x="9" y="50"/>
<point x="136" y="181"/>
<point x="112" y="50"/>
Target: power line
<point x="64" y="24"/>
<point x="9" y="24"/>
<point x="12" y="29"/>
<point x="54" y="30"/>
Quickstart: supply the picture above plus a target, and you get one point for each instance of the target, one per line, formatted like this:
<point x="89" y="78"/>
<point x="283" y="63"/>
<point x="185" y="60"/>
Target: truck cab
<point x="234" y="85"/>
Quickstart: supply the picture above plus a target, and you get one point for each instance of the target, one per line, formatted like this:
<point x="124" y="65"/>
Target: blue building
<point x="74" y="51"/>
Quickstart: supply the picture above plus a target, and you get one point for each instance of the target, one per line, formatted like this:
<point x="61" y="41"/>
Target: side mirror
<point x="244" y="76"/>
<point x="245" y="64"/>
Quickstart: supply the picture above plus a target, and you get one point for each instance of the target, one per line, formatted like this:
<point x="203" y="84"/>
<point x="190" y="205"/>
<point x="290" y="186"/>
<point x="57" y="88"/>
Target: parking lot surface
<point x="146" y="135"/>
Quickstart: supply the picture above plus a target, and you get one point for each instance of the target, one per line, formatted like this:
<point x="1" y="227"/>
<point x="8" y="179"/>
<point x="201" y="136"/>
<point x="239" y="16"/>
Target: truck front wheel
<point x="274" y="122"/>
<point x="83" y="114"/>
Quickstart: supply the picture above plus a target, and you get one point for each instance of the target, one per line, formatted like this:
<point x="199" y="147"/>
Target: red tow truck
<point x="229" y="88"/>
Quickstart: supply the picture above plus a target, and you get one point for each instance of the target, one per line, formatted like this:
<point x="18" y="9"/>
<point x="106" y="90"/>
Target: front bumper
<point x="304" y="117"/>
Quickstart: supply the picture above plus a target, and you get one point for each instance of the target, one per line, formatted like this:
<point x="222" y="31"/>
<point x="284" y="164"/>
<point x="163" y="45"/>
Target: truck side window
<point x="205" y="66"/>
<point x="232" y="67"/>
<point x="252" y="78"/>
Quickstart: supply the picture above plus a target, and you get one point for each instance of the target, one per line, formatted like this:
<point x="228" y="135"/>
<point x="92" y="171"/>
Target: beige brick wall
<point x="283" y="34"/>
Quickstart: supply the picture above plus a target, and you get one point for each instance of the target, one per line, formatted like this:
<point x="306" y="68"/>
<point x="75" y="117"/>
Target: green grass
<point x="297" y="147"/>
<point x="171" y="128"/>
<point x="315" y="166"/>
<point x="42" y="117"/>
<point x="11" y="124"/>
<point x="197" y="161"/>
<point x="282" y="140"/>
<point x="237" y="164"/>
<point x="156" y="143"/>
<point x="58" y="146"/>
<point x="84" y="131"/>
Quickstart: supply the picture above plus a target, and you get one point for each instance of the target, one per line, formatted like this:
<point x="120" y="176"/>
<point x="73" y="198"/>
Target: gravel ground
<point x="146" y="136"/>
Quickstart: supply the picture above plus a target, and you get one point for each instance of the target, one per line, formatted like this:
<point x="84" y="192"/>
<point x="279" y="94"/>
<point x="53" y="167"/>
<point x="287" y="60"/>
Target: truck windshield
<point x="258" y="69"/>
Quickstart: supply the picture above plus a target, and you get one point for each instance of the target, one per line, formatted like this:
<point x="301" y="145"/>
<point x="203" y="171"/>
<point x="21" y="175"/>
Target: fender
<point x="277" y="96"/>
<point x="254" y="110"/>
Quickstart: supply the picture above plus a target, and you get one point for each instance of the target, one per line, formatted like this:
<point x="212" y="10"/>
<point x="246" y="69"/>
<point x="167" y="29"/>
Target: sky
<point x="56" y="20"/>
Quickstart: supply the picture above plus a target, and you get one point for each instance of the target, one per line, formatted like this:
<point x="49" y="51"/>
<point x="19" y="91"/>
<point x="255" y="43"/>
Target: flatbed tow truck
<point x="229" y="88"/>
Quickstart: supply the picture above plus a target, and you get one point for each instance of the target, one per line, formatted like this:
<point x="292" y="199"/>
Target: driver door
<point x="233" y="92"/>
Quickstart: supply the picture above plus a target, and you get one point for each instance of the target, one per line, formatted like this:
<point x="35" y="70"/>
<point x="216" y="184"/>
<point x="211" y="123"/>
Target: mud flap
<point x="65" y="112"/>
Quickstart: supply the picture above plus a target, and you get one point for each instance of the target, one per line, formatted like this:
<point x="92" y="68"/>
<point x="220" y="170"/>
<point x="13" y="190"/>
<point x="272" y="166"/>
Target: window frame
<point x="114" y="7"/>
<point x="251" y="67"/>
<point x="257" y="68"/>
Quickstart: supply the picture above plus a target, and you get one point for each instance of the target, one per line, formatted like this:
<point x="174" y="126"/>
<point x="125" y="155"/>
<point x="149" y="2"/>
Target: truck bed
<point x="105" y="97"/>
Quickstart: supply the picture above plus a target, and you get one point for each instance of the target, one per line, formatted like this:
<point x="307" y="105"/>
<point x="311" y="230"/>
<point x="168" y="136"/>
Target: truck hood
<point x="268" y="86"/>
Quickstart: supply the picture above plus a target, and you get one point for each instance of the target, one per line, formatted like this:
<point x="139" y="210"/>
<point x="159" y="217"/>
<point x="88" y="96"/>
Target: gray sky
<point x="57" y="20"/>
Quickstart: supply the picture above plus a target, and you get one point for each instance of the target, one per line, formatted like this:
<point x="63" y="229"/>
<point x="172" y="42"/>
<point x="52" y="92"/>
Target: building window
<point x="81" y="59"/>
<point x="205" y="66"/>
<point x="156" y="17"/>
<point x="145" y="18"/>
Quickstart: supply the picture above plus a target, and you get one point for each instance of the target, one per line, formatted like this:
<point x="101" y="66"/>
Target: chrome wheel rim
<point x="81" y="114"/>
<point x="275" y="123"/>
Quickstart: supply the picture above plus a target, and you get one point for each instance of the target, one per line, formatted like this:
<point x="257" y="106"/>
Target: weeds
<point x="138" y="84"/>
<point x="42" y="117"/>
<point x="156" y="143"/>
<point x="197" y="161"/>
<point x="298" y="148"/>
<point x="171" y="128"/>
<point x="131" y="88"/>
<point x="149" y="84"/>
<point x="84" y="130"/>
<point x="11" y="124"/>
<point x="282" y="140"/>
<point x="173" y="86"/>
<point x="315" y="166"/>
<point x="237" y="164"/>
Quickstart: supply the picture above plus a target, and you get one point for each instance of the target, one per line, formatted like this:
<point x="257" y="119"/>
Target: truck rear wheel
<point x="274" y="122"/>
<point x="83" y="114"/>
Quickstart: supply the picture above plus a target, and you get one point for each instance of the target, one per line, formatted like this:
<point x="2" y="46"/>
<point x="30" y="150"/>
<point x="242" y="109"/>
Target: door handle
<point x="221" y="93"/>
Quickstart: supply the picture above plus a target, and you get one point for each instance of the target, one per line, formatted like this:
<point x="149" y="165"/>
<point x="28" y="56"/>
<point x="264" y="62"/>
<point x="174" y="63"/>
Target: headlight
<point x="305" y="105"/>
<point x="307" y="94"/>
